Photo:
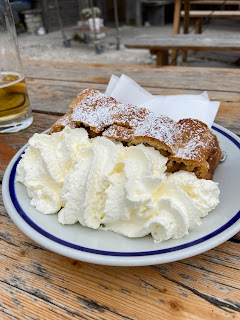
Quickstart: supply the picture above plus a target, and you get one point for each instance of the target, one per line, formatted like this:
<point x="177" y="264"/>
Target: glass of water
<point x="15" y="111"/>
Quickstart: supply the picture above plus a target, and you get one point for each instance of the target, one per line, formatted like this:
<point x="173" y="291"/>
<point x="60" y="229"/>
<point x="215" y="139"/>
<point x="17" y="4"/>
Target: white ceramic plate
<point x="108" y="248"/>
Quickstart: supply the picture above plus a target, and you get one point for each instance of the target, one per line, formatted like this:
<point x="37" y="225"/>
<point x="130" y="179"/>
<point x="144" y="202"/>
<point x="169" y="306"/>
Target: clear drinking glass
<point x="15" y="111"/>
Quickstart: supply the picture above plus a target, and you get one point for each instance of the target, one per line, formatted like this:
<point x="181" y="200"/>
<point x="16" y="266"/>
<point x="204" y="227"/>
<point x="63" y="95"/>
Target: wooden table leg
<point x="162" y="58"/>
<point x="176" y="26"/>
<point x="198" y="25"/>
<point x="185" y="24"/>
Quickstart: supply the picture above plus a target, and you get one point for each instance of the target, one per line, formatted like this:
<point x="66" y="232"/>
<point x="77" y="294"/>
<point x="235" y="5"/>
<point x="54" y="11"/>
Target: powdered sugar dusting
<point x="129" y="116"/>
<point x="119" y="133"/>
<point x="196" y="140"/>
<point x="160" y="128"/>
<point x="94" y="111"/>
<point x="190" y="151"/>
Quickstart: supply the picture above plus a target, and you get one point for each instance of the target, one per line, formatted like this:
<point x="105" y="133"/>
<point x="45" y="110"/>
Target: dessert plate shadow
<point x="108" y="248"/>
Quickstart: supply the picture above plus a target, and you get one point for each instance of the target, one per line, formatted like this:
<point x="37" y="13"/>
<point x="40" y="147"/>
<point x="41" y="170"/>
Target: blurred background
<point x="63" y="30"/>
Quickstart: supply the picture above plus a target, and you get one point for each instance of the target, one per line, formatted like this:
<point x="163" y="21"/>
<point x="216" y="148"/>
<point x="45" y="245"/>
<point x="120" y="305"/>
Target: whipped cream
<point x="100" y="183"/>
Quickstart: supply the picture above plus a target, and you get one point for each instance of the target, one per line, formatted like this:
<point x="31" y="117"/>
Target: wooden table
<point x="162" y="44"/>
<point x="39" y="284"/>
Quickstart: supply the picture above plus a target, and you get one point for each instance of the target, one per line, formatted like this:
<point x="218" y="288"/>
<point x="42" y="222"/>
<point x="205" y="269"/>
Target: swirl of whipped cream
<point x="102" y="184"/>
<point x="45" y="165"/>
<point x="84" y="188"/>
<point x="204" y="193"/>
<point x="132" y="183"/>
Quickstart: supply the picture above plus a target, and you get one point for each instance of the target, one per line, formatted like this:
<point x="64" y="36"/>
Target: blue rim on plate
<point x="49" y="236"/>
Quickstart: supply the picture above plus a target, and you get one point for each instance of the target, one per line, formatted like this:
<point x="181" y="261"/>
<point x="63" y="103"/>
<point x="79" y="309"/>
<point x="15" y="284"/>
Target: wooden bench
<point x="216" y="2"/>
<point x="198" y="15"/>
<point x="162" y="44"/>
<point x="198" y="20"/>
<point x="191" y="6"/>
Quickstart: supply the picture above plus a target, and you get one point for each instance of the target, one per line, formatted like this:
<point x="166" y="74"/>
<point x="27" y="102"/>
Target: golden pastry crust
<point x="189" y="144"/>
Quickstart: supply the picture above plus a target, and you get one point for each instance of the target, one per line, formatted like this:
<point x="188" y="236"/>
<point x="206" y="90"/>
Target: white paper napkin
<point x="111" y="85"/>
<point x="125" y="90"/>
<point x="177" y="107"/>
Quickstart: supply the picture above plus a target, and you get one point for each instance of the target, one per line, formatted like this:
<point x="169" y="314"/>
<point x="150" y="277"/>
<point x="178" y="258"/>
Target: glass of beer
<point x="15" y="111"/>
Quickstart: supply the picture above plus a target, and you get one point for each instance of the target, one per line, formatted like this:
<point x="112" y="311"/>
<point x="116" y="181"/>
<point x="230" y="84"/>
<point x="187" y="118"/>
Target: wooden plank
<point x="212" y="13"/>
<point x="216" y="2"/>
<point x="186" y="78"/>
<point x="185" y="42"/>
<point x="54" y="95"/>
<point x="192" y="41"/>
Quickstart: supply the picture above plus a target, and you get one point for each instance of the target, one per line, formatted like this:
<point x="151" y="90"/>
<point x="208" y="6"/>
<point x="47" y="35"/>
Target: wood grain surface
<point x="36" y="283"/>
<point x="185" y="41"/>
